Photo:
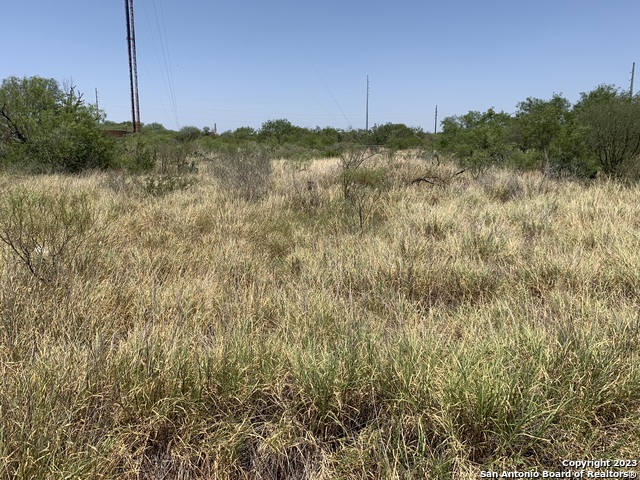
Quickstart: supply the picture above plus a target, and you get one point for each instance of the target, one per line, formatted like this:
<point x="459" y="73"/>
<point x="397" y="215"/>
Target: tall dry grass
<point x="487" y="324"/>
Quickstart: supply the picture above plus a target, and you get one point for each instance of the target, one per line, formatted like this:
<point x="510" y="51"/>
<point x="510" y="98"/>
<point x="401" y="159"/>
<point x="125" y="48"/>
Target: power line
<point x="168" y="63"/>
<point x="163" y="56"/>
<point x="162" y="71"/>
<point x="331" y="95"/>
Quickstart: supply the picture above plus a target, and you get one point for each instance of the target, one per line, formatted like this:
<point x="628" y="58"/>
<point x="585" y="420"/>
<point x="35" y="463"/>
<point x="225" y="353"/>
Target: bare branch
<point x="14" y="130"/>
<point x="437" y="181"/>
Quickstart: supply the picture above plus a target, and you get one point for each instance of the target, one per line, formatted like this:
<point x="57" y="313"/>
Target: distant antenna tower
<point x="633" y="71"/>
<point x="133" y="65"/>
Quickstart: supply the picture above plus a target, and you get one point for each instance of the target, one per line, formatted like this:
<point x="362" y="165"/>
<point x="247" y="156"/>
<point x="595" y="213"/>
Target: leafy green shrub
<point x="396" y="136"/>
<point x="189" y="134"/>
<point x="523" y="161"/>
<point x="174" y="158"/>
<point x="292" y="151"/>
<point x="477" y="139"/>
<point x="612" y="129"/>
<point x="44" y="129"/>
<point x="245" y="171"/>
<point x="136" y="156"/>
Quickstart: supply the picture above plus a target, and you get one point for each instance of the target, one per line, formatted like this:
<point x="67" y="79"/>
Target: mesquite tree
<point x="44" y="128"/>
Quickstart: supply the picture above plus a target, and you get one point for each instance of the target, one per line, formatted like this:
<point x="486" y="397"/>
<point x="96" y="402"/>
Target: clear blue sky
<point x="240" y="63"/>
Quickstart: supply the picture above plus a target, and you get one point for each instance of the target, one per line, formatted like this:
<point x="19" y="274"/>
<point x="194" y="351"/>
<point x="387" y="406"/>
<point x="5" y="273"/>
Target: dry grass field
<point x="490" y="322"/>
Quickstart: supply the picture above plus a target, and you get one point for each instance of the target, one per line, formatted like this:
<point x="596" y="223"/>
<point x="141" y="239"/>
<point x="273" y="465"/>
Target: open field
<point x="491" y="323"/>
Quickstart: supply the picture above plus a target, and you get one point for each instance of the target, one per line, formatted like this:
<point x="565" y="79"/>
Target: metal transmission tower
<point x="133" y="65"/>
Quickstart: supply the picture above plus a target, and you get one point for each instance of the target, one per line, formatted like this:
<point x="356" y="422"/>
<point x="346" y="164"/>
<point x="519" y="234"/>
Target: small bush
<point x="362" y="186"/>
<point x="161" y="185"/>
<point x="362" y="189"/>
<point x="244" y="171"/>
<point x="44" y="230"/>
<point x="136" y="156"/>
<point x="175" y="157"/>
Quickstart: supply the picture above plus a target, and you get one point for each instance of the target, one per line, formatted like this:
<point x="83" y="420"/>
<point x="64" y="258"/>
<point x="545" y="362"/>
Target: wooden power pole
<point x="367" y="108"/>
<point x="97" y="106"/>
<point x="133" y="65"/>
<point x="435" y="125"/>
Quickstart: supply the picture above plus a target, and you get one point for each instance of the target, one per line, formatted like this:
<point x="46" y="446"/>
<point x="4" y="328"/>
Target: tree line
<point x="598" y="134"/>
<point x="45" y="127"/>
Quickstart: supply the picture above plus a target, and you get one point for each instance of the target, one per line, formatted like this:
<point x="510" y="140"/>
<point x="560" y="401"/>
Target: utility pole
<point x="97" y="106"/>
<point x="367" y="108"/>
<point x="435" y="125"/>
<point x="133" y="65"/>
<point x="633" y="71"/>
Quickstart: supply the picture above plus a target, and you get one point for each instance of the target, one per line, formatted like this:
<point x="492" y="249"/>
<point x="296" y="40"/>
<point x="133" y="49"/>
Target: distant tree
<point x="109" y="124"/>
<point x="328" y="135"/>
<point x="354" y="136"/>
<point x="154" y="127"/>
<point x="396" y="136"/>
<point x="25" y="104"/>
<point x="547" y="129"/>
<point x="612" y="122"/>
<point x="478" y="139"/>
<point x="45" y="128"/>
<point x="319" y="139"/>
<point x="244" y="133"/>
<point x="188" y="134"/>
<point x="600" y="95"/>
<point x="281" y="131"/>
<point x="539" y="122"/>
